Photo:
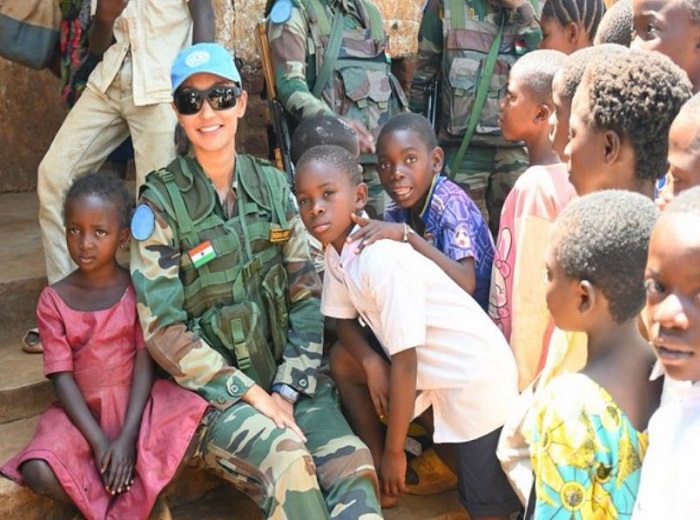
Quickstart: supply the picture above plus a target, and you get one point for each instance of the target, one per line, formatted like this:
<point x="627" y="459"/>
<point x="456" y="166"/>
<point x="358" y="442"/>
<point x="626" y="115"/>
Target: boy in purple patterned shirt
<point x="428" y="210"/>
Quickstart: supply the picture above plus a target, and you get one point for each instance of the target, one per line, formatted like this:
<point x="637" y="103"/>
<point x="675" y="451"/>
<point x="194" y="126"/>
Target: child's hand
<point x="393" y="473"/>
<point x="373" y="230"/>
<point x="378" y="375"/>
<point x="275" y="408"/>
<point x="117" y="466"/>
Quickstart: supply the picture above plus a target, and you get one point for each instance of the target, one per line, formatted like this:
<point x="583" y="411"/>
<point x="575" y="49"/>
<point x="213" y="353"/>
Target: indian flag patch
<point x="202" y="254"/>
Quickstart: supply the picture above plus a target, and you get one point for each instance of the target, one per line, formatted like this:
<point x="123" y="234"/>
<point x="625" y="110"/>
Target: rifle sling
<point x="482" y="91"/>
<point x="331" y="55"/>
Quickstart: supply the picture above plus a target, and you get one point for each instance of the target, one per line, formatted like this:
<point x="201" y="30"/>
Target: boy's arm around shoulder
<point x="155" y="263"/>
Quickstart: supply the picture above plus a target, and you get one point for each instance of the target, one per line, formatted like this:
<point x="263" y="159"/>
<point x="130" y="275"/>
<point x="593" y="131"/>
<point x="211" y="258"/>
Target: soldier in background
<point x="229" y="303"/>
<point x="454" y="41"/>
<point x="330" y="58"/>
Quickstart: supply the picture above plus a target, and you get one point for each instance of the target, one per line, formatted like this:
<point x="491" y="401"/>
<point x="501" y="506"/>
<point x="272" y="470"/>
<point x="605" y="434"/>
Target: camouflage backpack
<point x="350" y="69"/>
<point x="469" y="30"/>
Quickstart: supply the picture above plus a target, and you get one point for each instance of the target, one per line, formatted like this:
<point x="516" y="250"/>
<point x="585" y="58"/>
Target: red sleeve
<point x="58" y="355"/>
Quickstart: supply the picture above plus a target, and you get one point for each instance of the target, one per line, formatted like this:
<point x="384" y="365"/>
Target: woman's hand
<point x="117" y="465"/>
<point x="372" y="230"/>
<point x="393" y="473"/>
<point x="280" y="411"/>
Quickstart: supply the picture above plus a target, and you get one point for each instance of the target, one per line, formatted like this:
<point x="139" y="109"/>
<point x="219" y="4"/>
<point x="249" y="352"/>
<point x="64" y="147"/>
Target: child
<point x="517" y="302"/>
<point x="617" y="25"/>
<point x="570" y="25"/>
<point x="671" y="28"/>
<point x="671" y="468"/>
<point x="448" y="227"/>
<point x="440" y="341"/>
<point x="115" y="438"/>
<point x="620" y="118"/>
<point x="322" y="130"/>
<point x="586" y="432"/>
<point x="684" y="147"/>
<point x="564" y="85"/>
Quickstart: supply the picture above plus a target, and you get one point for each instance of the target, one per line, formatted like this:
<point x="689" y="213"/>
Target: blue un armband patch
<point x="143" y="222"/>
<point x="281" y="11"/>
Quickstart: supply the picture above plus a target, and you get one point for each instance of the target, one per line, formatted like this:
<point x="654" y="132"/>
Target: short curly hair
<point x="617" y="24"/>
<point x="413" y="122"/>
<point x="332" y="155"/>
<point x="574" y="65"/>
<point x="691" y="111"/>
<point x="536" y="70"/>
<point x="587" y="13"/>
<point x="106" y="186"/>
<point x="687" y="201"/>
<point x="604" y="238"/>
<point x="637" y="95"/>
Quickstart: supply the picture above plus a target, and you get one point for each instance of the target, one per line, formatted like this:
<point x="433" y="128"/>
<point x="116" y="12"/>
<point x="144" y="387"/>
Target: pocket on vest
<point x="274" y="293"/>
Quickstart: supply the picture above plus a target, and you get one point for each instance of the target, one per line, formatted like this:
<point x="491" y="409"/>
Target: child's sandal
<point x="31" y="342"/>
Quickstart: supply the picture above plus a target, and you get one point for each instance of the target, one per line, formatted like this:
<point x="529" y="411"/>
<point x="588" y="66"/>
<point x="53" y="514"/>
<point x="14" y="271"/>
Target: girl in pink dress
<point x="115" y="437"/>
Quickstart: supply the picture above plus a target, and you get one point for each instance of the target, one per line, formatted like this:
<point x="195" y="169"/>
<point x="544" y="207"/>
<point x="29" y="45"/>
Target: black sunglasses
<point x="189" y="101"/>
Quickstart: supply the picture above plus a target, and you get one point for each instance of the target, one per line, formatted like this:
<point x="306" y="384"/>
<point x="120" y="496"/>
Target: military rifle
<point x="431" y="108"/>
<point x="280" y="142"/>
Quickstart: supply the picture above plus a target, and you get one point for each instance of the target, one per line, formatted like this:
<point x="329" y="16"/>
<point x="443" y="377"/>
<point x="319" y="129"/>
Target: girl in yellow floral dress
<point x="587" y="440"/>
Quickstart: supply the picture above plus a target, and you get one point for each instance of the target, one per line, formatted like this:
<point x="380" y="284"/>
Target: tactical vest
<point x="362" y="86"/>
<point x="237" y="301"/>
<point x="467" y="36"/>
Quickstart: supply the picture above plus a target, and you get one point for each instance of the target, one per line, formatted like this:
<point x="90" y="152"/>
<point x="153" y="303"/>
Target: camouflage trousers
<point x="487" y="175"/>
<point x="331" y="476"/>
<point x="376" y="196"/>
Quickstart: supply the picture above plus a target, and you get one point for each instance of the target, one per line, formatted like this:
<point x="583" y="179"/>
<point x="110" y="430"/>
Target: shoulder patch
<point x="143" y="222"/>
<point x="281" y="11"/>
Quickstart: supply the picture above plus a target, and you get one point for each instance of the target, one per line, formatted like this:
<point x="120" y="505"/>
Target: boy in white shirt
<point x="440" y="342"/>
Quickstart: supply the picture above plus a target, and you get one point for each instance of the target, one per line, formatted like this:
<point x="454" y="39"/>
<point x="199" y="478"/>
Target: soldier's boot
<point x="430" y="475"/>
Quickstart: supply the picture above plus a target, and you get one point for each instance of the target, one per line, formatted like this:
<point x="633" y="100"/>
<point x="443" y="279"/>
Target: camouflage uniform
<point x="216" y="328"/>
<point x="491" y="165"/>
<point x="361" y="86"/>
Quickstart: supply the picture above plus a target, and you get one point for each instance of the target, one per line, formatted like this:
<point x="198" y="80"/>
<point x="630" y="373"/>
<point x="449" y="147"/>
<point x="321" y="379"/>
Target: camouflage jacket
<point x="175" y="312"/>
<point x="455" y="46"/>
<point x="361" y="87"/>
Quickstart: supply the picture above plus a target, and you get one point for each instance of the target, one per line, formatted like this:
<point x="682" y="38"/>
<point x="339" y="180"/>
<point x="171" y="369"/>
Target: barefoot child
<point x="586" y="431"/>
<point x="440" y="341"/>
<point x="115" y="437"/>
<point x="517" y="302"/>
<point x="671" y="468"/>
<point x="445" y="225"/>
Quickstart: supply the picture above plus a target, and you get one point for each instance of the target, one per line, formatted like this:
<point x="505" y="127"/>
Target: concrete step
<point x="24" y="391"/>
<point x="22" y="276"/>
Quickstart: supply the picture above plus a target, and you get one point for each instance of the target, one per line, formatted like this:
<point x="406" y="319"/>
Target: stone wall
<point x="31" y="110"/>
